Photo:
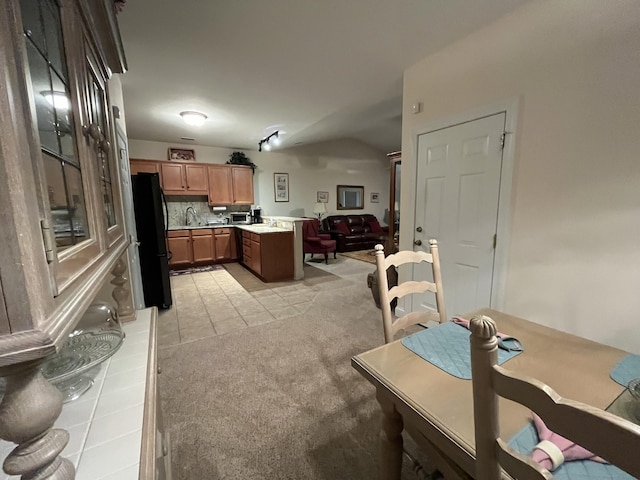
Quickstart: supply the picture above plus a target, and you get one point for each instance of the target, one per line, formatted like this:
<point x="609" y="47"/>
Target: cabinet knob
<point x="419" y="229"/>
<point x="159" y="369"/>
<point x="104" y="145"/>
<point x="92" y="130"/>
<point x="417" y="242"/>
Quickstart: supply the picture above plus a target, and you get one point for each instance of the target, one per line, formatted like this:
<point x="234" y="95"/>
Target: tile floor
<point x="215" y="303"/>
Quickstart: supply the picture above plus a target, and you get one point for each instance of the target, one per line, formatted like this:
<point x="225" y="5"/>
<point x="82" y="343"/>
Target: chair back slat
<point x="414" y="318"/>
<point x="408" y="256"/>
<point x="410" y="287"/>
<point x="609" y="436"/>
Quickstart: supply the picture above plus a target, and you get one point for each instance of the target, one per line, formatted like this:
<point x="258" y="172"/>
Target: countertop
<point x="105" y="424"/>
<point x="254" y="228"/>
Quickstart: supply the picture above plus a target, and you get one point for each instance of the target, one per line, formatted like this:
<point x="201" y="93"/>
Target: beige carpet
<point x="368" y="256"/>
<point x="280" y="400"/>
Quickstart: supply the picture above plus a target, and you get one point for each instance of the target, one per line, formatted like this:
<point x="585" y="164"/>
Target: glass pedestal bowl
<point x="74" y="367"/>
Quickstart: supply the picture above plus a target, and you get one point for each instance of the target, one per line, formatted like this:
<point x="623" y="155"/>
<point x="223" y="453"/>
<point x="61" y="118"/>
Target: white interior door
<point x="457" y="193"/>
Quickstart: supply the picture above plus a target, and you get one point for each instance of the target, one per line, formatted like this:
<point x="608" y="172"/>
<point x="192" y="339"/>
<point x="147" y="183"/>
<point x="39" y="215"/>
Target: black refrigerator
<point x="151" y="213"/>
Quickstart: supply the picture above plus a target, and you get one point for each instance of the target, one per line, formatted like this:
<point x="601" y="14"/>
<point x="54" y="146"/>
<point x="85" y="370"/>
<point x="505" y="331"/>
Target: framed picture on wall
<point x="322" y="197"/>
<point x="182" y="154"/>
<point x="281" y="186"/>
<point x="375" y="197"/>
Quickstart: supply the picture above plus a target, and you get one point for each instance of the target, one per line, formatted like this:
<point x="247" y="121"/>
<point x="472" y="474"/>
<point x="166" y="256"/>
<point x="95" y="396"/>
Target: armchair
<point x="315" y="242"/>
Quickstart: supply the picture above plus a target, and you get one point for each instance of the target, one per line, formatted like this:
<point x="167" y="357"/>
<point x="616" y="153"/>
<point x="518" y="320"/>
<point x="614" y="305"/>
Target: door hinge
<point x="48" y="240"/>
<point x="495" y="240"/>
<point x="503" y="138"/>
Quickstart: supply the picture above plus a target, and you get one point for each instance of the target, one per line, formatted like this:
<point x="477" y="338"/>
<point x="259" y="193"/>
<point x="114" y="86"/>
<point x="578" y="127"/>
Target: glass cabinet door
<point x="54" y="116"/>
<point x="99" y="131"/>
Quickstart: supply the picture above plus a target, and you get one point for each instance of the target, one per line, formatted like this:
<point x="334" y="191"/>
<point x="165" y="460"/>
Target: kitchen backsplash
<point x="177" y="208"/>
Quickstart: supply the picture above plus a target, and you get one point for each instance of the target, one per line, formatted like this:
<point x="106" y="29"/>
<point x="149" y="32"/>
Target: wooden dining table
<point x="436" y="408"/>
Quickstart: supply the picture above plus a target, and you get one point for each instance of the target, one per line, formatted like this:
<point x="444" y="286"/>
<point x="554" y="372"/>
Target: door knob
<point x="417" y="242"/>
<point x="419" y="229"/>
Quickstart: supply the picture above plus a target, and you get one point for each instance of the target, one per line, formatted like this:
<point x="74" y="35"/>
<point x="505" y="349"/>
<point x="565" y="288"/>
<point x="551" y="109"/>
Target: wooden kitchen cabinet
<point x="143" y="166"/>
<point x="202" y="246"/>
<point x="242" y="185"/>
<point x="220" y="186"/>
<point x="179" y="245"/>
<point x="184" y="179"/>
<point x="268" y="255"/>
<point x="225" y="244"/>
<point x="63" y="232"/>
<point x="230" y="185"/>
<point x="256" y="260"/>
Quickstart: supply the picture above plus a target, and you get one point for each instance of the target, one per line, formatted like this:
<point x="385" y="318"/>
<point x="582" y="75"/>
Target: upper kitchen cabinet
<point x="242" y="181"/>
<point x="144" y="166"/>
<point x="220" y="187"/>
<point x="230" y="185"/>
<point x="184" y="178"/>
<point x="62" y="217"/>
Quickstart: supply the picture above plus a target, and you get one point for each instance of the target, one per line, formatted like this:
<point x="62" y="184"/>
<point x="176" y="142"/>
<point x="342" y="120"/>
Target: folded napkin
<point x="515" y="346"/>
<point x="553" y="449"/>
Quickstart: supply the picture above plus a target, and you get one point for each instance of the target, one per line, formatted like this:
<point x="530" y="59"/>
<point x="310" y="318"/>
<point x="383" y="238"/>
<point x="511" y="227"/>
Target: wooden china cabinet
<point x="62" y="223"/>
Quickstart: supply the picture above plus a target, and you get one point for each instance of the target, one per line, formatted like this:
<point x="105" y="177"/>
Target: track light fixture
<point x="269" y="141"/>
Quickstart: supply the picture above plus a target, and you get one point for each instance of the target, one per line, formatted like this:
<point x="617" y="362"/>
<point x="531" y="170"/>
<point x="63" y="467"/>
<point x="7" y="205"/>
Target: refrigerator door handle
<point x="166" y="223"/>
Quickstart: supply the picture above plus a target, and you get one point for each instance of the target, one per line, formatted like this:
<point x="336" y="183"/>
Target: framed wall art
<point x="182" y="154"/>
<point x="375" y="197"/>
<point x="322" y="197"/>
<point x="281" y="186"/>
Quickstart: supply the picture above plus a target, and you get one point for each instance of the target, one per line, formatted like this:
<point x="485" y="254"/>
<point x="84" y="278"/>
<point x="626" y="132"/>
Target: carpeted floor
<point x="368" y="256"/>
<point x="280" y="400"/>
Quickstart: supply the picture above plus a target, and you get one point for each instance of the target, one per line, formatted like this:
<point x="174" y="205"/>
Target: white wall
<point x="311" y="168"/>
<point x="574" y="253"/>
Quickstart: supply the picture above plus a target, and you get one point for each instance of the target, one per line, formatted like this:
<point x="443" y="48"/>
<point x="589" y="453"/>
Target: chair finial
<point x="433" y="242"/>
<point x="482" y="326"/>
<point x="379" y="248"/>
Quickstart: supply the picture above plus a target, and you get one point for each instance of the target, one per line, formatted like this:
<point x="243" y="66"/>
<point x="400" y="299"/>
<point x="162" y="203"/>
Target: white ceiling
<point x="317" y="69"/>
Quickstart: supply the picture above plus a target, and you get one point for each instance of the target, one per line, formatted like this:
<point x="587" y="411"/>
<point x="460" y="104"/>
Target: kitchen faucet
<point x="186" y="215"/>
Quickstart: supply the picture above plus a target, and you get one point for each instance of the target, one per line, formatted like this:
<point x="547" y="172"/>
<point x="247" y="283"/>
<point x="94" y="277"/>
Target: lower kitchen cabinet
<point x="225" y="244"/>
<point x="203" y="246"/>
<point x="179" y="245"/>
<point x="268" y="255"/>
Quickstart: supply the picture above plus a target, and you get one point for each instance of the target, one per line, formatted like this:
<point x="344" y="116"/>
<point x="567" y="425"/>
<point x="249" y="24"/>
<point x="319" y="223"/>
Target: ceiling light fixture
<point x="269" y="141"/>
<point x="193" y="118"/>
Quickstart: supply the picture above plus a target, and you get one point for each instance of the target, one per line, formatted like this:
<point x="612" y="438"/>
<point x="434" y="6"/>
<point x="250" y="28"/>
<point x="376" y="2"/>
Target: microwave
<point x="240" y="218"/>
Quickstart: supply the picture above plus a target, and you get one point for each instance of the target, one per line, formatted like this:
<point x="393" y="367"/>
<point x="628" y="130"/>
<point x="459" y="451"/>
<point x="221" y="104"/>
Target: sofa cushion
<point x="375" y="227"/>
<point x="342" y="228"/>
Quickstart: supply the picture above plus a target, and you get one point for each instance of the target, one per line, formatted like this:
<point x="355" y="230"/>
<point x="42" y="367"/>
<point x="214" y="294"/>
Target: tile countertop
<point x="105" y="424"/>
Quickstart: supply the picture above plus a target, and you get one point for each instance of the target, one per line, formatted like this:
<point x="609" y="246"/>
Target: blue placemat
<point x="626" y="370"/>
<point x="527" y="438"/>
<point x="447" y="347"/>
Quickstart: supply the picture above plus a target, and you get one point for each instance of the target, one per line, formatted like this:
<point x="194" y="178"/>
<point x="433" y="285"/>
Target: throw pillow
<point x="342" y="228"/>
<point x="375" y="227"/>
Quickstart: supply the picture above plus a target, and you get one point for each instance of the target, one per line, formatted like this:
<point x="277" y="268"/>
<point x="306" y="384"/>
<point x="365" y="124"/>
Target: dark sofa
<point x="354" y="232"/>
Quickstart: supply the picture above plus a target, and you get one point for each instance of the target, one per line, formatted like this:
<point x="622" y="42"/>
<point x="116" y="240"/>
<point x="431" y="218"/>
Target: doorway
<point x="460" y="177"/>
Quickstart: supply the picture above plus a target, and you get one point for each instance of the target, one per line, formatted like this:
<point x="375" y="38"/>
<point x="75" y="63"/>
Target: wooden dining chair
<point x="393" y="325"/>
<point x="606" y="435"/>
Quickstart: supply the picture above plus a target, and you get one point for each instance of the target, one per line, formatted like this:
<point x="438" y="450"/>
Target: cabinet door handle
<point x="159" y="369"/>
